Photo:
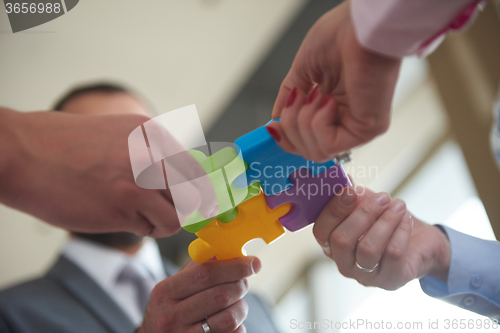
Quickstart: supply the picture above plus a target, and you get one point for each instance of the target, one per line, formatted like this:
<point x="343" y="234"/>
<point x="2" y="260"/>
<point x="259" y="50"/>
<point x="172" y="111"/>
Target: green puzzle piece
<point x="222" y="168"/>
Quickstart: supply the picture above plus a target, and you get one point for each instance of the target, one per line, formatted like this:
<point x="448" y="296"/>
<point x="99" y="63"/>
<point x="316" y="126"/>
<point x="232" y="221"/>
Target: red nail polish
<point x="325" y="102"/>
<point x="274" y="133"/>
<point x="312" y="95"/>
<point x="292" y="97"/>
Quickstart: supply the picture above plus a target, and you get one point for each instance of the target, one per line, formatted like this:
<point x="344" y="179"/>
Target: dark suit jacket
<point x="67" y="300"/>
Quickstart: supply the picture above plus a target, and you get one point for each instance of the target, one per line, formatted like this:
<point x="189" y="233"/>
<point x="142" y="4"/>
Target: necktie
<point x="142" y="285"/>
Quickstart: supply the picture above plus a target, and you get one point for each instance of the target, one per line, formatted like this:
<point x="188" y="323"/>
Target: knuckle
<point x="242" y="286"/>
<point x="205" y="275"/>
<point x="339" y="240"/>
<point x="381" y="127"/>
<point x="345" y="272"/>
<point x="387" y="221"/>
<point x="229" y="321"/>
<point x="364" y="282"/>
<point x="335" y="210"/>
<point x="394" y="252"/>
<point x="156" y="294"/>
<point x="166" y="322"/>
<point x="221" y="296"/>
<point x="374" y="126"/>
<point x="406" y="227"/>
<point x="144" y="228"/>
<point x="366" y="209"/>
<point x="157" y="300"/>
<point x="366" y="249"/>
<point x="243" y="307"/>
<point x="391" y="286"/>
<point x="244" y="269"/>
<point x="320" y="236"/>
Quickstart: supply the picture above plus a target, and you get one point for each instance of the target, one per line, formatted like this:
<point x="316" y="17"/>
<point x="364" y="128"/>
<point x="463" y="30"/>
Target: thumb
<point x="194" y="264"/>
<point x="189" y="265"/>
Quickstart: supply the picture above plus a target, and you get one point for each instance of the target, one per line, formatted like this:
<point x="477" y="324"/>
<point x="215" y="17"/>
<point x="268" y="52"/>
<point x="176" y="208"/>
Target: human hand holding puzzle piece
<point x="257" y="162"/>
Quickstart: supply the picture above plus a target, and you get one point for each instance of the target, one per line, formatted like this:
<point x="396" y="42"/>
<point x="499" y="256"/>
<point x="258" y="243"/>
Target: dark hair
<point x="108" y="88"/>
<point x="111" y="239"/>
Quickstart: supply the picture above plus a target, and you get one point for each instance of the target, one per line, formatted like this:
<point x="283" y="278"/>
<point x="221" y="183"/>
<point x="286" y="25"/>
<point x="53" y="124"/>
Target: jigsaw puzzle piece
<point x="226" y="240"/>
<point x="222" y="168"/>
<point x="269" y="164"/>
<point x="308" y="195"/>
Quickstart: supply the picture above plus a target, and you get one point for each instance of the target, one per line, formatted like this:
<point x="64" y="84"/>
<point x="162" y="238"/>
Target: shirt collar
<point x="104" y="264"/>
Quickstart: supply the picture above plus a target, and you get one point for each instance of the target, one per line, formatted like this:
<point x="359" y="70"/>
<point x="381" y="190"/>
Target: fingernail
<point x="381" y="199"/>
<point x="311" y="96"/>
<point x="274" y="133"/>
<point x="327" y="250"/>
<point x="292" y="97"/>
<point x="397" y="206"/>
<point x="347" y="198"/>
<point x="408" y="218"/>
<point x="325" y="102"/>
<point x="256" y="266"/>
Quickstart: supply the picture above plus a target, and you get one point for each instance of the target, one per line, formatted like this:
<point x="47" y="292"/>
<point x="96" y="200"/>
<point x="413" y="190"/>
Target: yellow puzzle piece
<point x="226" y="240"/>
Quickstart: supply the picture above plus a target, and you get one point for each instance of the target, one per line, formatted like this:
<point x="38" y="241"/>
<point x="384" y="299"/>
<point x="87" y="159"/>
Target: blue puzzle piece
<point x="270" y="165"/>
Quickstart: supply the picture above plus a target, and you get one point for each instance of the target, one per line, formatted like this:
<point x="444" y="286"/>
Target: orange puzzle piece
<point x="226" y="240"/>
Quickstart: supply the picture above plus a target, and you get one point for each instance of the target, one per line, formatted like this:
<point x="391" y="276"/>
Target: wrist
<point x="8" y="143"/>
<point x="442" y="255"/>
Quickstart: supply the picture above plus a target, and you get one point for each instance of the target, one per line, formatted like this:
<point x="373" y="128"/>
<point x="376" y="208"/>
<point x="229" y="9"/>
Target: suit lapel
<point x="92" y="296"/>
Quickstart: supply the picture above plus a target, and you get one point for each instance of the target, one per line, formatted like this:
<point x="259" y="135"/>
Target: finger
<point x="333" y="136"/>
<point x="305" y="118"/>
<point x="161" y="214"/>
<point x="171" y="166"/>
<point x="281" y="100"/>
<point x="276" y="131"/>
<point x="370" y="248"/>
<point x="344" y="238"/>
<point x="291" y="80"/>
<point x="210" y="301"/>
<point x="193" y="280"/>
<point x="290" y="120"/>
<point x="228" y="320"/>
<point x="335" y="211"/>
<point x="196" y="191"/>
<point x="241" y="329"/>
<point x="187" y="194"/>
<point x="392" y="266"/>
<point x="190" y="264"/>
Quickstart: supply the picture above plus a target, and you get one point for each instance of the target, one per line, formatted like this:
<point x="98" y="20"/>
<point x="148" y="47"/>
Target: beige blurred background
<point x="228" y="57"/>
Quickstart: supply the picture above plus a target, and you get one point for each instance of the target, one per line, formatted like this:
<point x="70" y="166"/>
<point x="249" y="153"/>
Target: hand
<point x="373" y="229"/>
<point x="74" y="172"/>
<point x="361" y="84"/>
<point x="211" y="290"/>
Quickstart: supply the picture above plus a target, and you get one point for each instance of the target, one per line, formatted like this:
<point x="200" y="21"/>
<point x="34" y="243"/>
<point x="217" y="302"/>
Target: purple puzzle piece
<point x="308" y="195"/>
